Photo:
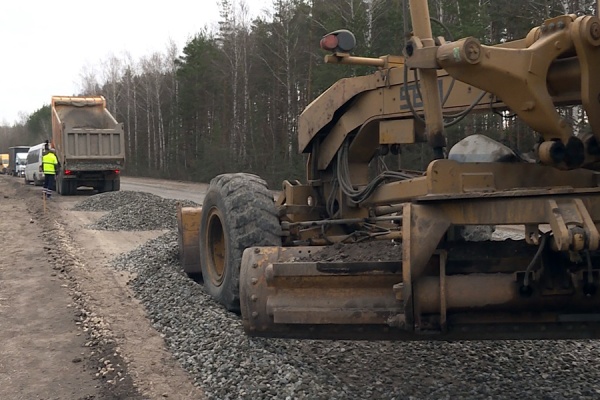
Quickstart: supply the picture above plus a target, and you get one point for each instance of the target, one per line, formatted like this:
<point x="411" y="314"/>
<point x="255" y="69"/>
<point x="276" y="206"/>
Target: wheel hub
<point x="216" y="245"/>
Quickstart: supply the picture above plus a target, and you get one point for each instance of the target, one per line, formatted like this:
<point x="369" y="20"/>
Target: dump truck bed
<point x="89" y="143"/>
<point x="85" y="134"/>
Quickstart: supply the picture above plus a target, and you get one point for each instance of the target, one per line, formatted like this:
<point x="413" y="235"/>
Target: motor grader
<point x="419" y="276"/>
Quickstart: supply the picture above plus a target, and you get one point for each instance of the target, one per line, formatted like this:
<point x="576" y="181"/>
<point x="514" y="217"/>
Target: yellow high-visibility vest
<point x="49" y="161"/>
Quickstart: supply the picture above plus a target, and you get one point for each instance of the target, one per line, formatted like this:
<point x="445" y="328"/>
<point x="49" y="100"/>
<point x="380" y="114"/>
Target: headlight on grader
<point x="341" y="41"/>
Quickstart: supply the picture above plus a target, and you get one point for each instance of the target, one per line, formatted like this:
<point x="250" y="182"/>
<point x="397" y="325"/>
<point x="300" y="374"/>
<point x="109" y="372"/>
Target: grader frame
<point x="439" y="285"/>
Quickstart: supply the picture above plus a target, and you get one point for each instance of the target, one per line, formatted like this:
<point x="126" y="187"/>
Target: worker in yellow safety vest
<point x="49" y="167"/>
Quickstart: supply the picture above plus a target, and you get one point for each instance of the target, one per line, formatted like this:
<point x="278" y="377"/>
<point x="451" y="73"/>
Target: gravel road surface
<point x="207" y="344"/>
<point x="210" y="344"/>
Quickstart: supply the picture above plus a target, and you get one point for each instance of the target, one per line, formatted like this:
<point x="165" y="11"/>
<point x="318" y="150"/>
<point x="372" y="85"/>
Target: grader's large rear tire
<point x="238" y="212"/>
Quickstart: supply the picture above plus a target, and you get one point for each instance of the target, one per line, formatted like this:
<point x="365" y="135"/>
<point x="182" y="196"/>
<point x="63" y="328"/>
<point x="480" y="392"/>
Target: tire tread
<point x="251" y="220"/>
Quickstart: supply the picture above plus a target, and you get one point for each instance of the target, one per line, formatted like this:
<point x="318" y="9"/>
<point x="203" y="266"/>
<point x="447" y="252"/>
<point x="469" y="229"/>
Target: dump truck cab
<point x="4" y="159"/>
<point x="21" y="163"/>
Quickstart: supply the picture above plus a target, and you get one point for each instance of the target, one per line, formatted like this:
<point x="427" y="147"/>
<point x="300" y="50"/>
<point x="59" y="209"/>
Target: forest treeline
<point x="229" y="100"/>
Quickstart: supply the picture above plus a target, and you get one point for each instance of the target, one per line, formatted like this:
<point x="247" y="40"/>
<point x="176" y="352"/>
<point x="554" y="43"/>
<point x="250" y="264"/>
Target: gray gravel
<point x="110" y="201"/>
<point x="132" y="211"/>
<point x="210" y="343"/>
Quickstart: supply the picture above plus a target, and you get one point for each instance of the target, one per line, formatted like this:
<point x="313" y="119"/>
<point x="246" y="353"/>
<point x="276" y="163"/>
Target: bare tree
<point x="281" y="63"/>
<point x="174" y="121"/>
<point x="234" y="34"/>
<point x="88" y="80"/>
<point x="131" y="107"/>
<point x="112" y="75"/>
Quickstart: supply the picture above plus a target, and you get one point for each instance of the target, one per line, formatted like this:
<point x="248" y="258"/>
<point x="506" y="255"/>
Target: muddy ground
<point x="69" y="325"/>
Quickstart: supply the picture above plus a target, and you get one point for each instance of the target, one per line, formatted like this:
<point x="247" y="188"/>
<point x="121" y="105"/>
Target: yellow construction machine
<point x="354" y="254"/>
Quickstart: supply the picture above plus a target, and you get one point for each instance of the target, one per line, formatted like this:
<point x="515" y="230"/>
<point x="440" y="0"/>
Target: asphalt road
<point x="168" y="189"/>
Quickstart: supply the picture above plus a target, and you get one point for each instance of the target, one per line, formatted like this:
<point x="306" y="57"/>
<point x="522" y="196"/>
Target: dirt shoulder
<point x="42" y="347"/>
<point x="69" y="325"/>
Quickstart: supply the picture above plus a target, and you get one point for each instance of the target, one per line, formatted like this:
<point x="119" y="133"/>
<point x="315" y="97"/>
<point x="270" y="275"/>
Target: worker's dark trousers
<point x="49" y="184"/>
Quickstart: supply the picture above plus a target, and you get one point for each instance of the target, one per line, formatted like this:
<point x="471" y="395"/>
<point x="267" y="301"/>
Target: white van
<point x="33" y="169"/>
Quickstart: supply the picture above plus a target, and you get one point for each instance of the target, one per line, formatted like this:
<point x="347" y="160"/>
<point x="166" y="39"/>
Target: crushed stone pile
<point x="210" y="344"/>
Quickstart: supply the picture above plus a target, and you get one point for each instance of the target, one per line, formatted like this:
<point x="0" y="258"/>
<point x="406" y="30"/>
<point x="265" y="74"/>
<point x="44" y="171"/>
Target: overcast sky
<point x="46" y="45"/>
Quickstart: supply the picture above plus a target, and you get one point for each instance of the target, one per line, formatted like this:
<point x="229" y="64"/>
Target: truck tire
<point x="238" y="212"/>
<point x="72" y="187"/>
<point x="37" y="182"/>
<point x="63" y="187"/>
<point x="101" y="187"/>
<point x="109" y="186"/>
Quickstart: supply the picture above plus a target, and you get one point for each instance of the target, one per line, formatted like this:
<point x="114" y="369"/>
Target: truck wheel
<point x="62" y="187"/>
<point x="106" y="186"/>
<point x="112" y="185"/>
<point x="238" y="212"/>
<point x="72" y="187"/>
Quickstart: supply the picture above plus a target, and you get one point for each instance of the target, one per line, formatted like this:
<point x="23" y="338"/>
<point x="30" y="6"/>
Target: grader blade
<point x="326" y="300"/>
<point x="283" y="297"/>
<point x="188" y="222"/>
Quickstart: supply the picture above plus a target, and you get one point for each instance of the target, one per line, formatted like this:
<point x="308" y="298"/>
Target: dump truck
<point x="21" y="164"/>
<point x="4" y="162"/>
<point x="13" y="159"/>
<point x="89" y="144"/>
<point x="356" y="252"/>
